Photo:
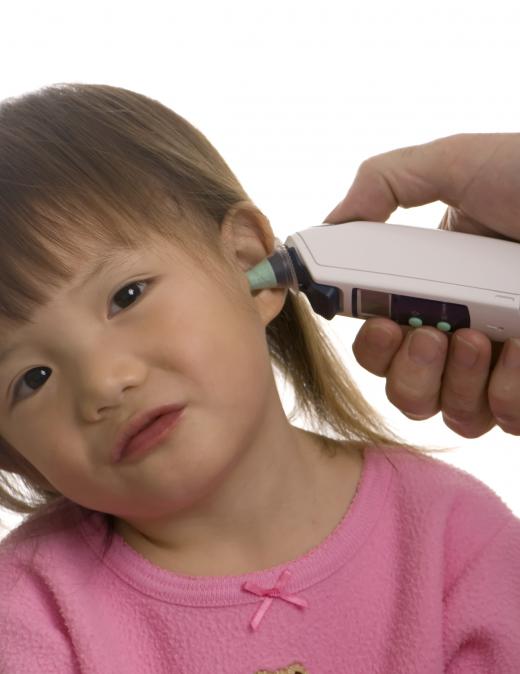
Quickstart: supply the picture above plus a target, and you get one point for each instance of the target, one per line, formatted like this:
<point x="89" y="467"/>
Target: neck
<point x="276" y="506"/>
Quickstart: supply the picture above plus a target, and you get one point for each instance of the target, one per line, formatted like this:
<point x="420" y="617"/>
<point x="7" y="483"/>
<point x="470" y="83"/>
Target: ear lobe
<point x="269" y="303"/>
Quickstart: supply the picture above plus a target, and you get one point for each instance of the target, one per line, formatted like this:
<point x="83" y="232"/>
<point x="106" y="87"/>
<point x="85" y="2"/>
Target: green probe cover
<point x="262" y="276"/>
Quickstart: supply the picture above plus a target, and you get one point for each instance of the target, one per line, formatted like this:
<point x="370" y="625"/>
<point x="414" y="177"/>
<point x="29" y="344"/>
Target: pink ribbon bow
<point x="270" y="593"/>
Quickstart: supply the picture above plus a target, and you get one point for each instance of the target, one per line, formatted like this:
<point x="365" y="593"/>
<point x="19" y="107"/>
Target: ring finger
<point x="464" y="398"/>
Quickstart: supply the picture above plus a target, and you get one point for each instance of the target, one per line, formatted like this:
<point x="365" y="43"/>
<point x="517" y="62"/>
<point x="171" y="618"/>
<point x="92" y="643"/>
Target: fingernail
<point x="423" y="347"/>
<point x="379" y="338"/>
<point x="512" y="355"/>
<point x="466" y="353"/>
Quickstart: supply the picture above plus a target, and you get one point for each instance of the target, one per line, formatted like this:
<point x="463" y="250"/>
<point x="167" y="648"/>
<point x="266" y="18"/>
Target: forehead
<point x="94" y="263"/>
<point x="114" y="257"/>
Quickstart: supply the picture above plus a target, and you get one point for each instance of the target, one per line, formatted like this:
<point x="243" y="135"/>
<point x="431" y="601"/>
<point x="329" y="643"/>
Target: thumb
<point x="409" y="176"/>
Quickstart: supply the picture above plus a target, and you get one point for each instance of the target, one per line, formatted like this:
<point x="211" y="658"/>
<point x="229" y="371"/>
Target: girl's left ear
<point x="247" y="234"/>
<point x="248" y="238"/>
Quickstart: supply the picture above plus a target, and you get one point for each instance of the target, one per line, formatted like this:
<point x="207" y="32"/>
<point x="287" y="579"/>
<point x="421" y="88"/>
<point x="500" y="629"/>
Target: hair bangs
<point x="78" y="186"/>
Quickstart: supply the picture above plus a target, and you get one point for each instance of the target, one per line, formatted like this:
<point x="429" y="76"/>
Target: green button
<point x="415" y="322"/>
<point x="442" y="325"/>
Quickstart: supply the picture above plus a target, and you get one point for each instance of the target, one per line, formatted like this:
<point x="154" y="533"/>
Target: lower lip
<point x="151" y="436"/>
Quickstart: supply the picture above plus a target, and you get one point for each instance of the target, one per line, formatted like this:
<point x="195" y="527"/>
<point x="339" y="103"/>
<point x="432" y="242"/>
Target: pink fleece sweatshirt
<point x="422" y="576"/>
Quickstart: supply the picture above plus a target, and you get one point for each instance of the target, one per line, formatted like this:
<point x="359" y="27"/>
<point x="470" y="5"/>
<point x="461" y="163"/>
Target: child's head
<point x="94" y="171"/>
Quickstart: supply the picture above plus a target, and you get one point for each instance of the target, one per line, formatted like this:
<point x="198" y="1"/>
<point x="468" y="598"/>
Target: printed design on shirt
<point x="292" y="669"/>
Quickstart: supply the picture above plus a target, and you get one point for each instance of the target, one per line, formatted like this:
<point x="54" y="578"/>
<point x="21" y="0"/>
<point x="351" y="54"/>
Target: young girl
<point x="224" y="539"/>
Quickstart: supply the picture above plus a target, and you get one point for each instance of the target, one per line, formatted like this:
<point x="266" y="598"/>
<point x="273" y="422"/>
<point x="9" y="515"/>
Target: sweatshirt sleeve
<point x="32" y="632"/>
<point x="482" y="609"/>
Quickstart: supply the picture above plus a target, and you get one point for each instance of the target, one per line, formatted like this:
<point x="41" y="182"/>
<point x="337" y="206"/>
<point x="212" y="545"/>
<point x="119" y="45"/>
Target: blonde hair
<point x="84" y="165"/>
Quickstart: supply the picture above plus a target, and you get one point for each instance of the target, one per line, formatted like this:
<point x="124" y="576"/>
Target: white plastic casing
<point x="481" y="273"/>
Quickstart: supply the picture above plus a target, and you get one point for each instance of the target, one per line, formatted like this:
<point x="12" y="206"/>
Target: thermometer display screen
<point x="374" y="303"/>
<point x="401" y="308"/>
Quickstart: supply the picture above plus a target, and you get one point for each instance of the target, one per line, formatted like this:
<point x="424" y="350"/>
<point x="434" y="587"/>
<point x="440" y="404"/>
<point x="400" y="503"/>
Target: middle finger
<point x="413" y="382"/>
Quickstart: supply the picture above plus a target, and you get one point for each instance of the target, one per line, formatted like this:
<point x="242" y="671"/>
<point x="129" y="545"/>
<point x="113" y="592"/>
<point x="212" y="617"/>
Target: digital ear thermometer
<point x="412" y="275"/>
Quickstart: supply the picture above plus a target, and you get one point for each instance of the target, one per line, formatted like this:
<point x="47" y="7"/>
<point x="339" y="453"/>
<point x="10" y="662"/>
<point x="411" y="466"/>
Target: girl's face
<point x="149" y="330"/>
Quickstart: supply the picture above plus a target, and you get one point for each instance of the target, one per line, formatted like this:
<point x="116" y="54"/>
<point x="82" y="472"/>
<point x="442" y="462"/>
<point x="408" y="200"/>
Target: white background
<point x="294" y="95"/>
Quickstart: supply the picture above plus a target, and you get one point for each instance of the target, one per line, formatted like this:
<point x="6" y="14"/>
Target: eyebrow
<point x="107" y="259"/>
<point x="4" y="355"/>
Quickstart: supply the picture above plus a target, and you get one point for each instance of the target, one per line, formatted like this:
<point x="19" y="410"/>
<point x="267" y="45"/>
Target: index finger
<point x="408" y="176"/>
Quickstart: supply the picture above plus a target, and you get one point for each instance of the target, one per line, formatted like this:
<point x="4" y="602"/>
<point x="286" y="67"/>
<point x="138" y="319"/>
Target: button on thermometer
<point x="412" y="275"/>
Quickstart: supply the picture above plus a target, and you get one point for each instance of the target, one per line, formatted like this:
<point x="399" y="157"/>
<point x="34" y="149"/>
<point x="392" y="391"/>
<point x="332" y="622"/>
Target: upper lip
<point x="136" y="424"/>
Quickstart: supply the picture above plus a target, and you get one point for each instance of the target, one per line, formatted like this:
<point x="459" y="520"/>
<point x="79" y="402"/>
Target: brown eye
<point x="29" y="378"/>
<point x="126" y="296"/>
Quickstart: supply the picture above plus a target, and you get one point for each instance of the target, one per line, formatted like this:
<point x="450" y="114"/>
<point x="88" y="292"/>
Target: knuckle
<point x="368" y="166"/>
<point x="366" y="360"/>
<point x="462" y="393"/>
<point x="406" y="398"/>
<point x="377" y="338"/>
<point x="462" y="425"/>
<point x="374" y="164"/>
<point x="460" y="416"/>
<point x="459" y="402"/>
<point x="501" y="404"/>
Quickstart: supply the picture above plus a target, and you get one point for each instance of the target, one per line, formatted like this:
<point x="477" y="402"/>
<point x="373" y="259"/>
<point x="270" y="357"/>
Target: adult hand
<point x="474" y="382"/>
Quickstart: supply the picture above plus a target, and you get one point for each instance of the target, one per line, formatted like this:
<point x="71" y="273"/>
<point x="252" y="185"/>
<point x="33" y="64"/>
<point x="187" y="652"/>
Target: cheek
<point x="231" y="363"/>
<point x="55" y="455"/>
<point x="218" y="348"/>
<point x="22" y="461"/>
